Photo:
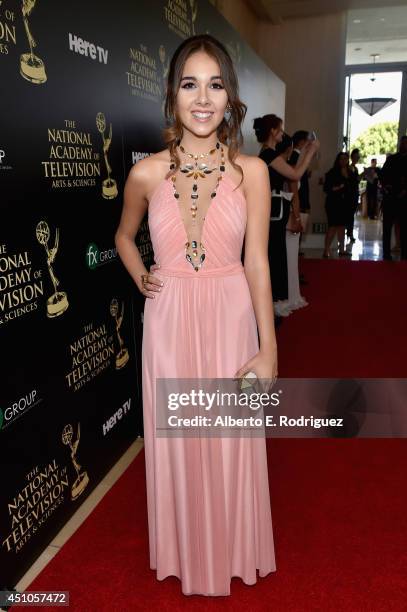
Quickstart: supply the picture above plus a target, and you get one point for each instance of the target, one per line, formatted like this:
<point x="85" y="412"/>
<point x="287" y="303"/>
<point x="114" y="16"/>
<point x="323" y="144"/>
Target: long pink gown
<point x="209" y="515"/>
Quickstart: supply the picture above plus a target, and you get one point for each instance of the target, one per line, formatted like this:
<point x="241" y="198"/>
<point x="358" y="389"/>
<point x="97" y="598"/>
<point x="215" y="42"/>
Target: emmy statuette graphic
<point x="165" y="61"/>
<point x="109" y="188"/>
<point x="165" y="67"/>
<point x="31" y="66"/>
<point x="82" y="478"/>
<point x="57" y="303"/>
<point x="194" y="12"/>
<point x="122" y="356"/>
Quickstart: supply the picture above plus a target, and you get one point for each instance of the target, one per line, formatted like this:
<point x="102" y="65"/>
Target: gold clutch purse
<point x="248" y="381"/>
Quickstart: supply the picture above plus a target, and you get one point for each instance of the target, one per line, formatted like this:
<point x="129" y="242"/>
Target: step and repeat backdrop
<point x="81" y="102"/>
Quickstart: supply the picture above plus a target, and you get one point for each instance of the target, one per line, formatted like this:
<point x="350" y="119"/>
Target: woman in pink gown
<point x="209" y="515"/>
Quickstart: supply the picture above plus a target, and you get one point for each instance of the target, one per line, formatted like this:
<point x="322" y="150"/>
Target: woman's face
<point x="201" y="99"/>
<point x="278" y="133"/>
<point x="343" y="161"/>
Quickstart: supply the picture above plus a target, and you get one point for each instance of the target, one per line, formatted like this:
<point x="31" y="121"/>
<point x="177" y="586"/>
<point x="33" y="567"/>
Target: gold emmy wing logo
<point x="109" y="187"/>
<point x="31" y="66"/>
<point x="194" y="12"/>
<point x="122" y="356"/>
<point x="82" y="478"/>
<point x="57" y="303"/>
<point x="165" y="67"/>
<point x="165" y="61"/>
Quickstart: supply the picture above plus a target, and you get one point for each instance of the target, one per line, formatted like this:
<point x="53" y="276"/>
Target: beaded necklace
<point x="197" y="170"/>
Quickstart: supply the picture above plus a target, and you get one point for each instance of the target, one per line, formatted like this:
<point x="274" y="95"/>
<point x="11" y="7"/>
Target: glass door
<point x="372" y="114"/>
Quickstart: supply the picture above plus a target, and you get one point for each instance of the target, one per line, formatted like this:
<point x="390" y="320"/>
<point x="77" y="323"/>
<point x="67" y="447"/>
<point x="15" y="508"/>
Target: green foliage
<point x="379" y="139"/>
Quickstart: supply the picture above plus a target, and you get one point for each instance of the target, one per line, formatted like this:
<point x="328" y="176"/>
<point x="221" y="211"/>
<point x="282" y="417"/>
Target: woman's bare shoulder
<point x="253" y="167"/>
<point x="148" y="172"/>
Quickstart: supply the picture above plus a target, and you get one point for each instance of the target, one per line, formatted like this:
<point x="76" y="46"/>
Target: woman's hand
<point x="295" y="224"/>
<point x="152" y="285"/>
<point x="264" y="365"/>
<point x="313" y="146"/>
<point x="316" y="145"/>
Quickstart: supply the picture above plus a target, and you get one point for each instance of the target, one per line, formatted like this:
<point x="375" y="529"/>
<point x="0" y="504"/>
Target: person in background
<point x="380" y="203"/>
<point x="203" y="323"/>
<point x="293" y="232"/>
<point x="269" y="132"/>
<point x="354" y="199"/>
<point x="300" y="139"/>
<point x="338" y="189"/>
<point x="396" y="247"/>
<point x="371" y="175"/>
<point x="394" y="183"/>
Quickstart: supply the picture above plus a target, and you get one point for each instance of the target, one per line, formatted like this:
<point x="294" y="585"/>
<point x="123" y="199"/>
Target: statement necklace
<point x="199" y="155"/>
<point x="197" y="170"/>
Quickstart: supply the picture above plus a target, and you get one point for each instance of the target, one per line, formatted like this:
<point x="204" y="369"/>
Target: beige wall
<point x="241" y="17"/>
<point x="309" y="56"/>
<point x="270" y="91"/>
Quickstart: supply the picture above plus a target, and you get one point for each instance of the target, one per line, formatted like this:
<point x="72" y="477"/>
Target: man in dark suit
<point x="371" y="175"/>
<point x="393" y="178"/>
<point x="354" y="183"/>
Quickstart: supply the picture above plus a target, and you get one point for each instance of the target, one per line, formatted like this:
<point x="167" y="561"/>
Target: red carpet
<point x="339" y="506"/>
<point x="355" y="325"/>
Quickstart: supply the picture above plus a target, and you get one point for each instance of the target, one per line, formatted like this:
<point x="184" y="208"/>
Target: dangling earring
<point x="228" y="113"/>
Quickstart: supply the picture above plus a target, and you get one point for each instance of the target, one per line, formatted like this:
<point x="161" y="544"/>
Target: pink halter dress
<point x="209" y="515"/>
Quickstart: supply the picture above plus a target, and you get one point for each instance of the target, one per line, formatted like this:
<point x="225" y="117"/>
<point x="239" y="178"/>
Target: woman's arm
<point x="294" y="173"/>
<point x="295" y="207"/>
<point x="256" y="265"/>
<point x="134" y="208"/>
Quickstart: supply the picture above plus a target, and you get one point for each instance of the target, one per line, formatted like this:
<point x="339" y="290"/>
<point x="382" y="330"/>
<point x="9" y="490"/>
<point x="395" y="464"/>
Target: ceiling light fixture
<point x="373" y="105"/>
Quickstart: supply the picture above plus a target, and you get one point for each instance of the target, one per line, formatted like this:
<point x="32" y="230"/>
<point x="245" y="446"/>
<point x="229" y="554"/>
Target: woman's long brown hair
<point x="229" y="132"/>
